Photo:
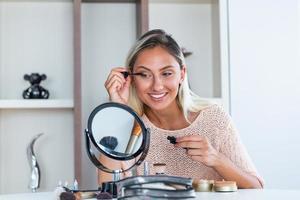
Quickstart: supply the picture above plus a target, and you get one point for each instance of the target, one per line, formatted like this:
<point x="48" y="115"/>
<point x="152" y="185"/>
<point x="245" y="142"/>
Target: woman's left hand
<point x="198" y="148"/>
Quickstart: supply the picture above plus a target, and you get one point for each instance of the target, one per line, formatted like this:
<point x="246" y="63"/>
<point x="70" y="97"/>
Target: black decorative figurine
<point x="35" y="91"/>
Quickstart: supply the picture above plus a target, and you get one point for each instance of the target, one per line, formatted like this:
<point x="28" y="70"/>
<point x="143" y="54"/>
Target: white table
<point x="239" y="195"/>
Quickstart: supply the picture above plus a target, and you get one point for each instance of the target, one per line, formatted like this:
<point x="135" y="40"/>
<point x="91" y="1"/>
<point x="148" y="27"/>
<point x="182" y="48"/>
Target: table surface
<point x="252" y="194"/>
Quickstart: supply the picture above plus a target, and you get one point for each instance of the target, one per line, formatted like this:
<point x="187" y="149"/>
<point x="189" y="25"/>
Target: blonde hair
<point x="187" y="100"/>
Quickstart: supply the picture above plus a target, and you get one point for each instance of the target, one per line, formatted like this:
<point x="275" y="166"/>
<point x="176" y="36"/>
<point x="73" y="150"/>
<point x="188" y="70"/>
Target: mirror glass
<point x="116" y="131"/>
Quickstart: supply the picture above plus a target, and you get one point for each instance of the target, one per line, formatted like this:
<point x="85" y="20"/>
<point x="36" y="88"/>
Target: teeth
<point x="157" y="96"/>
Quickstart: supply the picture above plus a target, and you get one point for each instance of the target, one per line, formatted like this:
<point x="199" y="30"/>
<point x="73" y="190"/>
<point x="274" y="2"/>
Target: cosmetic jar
<point x="159" y="168"/>
<point x="202" y="185"/>
<point x="225" y="186"/>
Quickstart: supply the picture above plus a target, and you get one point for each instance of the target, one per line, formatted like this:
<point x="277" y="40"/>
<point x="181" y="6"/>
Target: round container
<point x="225" y="186"/>
<point x="203" y="185"/>
<point x="159" y="168"/>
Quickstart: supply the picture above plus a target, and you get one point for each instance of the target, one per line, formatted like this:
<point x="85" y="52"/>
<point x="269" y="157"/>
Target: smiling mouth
<point x="158" y="96"/>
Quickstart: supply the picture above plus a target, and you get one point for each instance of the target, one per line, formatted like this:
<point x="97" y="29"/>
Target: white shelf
<point x="36" y="103"/>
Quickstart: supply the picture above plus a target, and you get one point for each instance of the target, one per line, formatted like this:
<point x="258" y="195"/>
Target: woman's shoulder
<point x="216" y="115"/>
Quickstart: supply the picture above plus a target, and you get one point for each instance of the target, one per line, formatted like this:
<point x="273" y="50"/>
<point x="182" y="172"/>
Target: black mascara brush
<point x="126" y="74"/>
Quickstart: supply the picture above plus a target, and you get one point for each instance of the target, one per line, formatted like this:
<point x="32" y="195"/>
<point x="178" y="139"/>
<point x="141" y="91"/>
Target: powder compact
<point x="225" y="186"/>
<point x="202" y="185"/>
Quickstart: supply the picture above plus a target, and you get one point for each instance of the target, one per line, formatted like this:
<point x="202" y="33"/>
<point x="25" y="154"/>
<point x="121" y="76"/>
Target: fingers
<point x="193" y="145"/>
<point x="115" y="73"/>
<point x="190" y="138"/>
<point x="197" y="152"/>
<point x="117" y="86"/>
<point x="192" y="141"/>
<point x="114" y="83"/>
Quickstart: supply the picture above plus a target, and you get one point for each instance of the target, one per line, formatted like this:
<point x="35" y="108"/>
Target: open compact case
<point x="116" y="133"/>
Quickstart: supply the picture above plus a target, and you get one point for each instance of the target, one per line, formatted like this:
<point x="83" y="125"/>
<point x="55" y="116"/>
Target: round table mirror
<point x="117" y="132"/>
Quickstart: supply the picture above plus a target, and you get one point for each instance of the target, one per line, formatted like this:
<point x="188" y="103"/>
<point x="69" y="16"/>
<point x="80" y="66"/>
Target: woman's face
<point x="158" y="85"/>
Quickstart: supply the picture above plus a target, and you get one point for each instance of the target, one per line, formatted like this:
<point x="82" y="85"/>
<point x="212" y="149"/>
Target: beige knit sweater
<point x="211" y="122"/>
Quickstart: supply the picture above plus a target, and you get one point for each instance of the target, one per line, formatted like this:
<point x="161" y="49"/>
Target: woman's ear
<point x="182" y="73"/>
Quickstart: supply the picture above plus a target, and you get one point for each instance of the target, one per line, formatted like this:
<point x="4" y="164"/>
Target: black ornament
<point x="35" y="91"/>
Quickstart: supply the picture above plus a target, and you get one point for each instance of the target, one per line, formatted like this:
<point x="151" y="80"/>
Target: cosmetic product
<point x="159" y="168"/>
<point x="126" y="74"/>
<point x="146" y="168"/>
<point x="58" y="191"/>
<point x="109" y="142"/>
<point x="81" y="194"/>
<point x="67" y="196"/>
<point x="172" y="139"/>
<point x="85" y="195"/>
<point x="75" y="185"/>
<point x="135" y="133"/>
<point x="66" y="184"/>
<point x="225" y="186"/>
<point x="203" y="185"/>
<point x="104" y="195"/>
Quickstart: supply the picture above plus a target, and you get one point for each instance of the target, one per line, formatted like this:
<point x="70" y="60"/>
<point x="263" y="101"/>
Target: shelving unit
<point x="36" y="104"/>
<point x="36" y="37"/>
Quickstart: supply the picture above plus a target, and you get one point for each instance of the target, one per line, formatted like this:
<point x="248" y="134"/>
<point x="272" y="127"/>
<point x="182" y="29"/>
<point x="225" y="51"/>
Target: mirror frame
<point x="142" y="151"/>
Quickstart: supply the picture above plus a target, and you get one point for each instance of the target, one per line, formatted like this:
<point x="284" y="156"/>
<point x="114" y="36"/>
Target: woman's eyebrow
<point x="143" y="67"/>
<point x="164" y="68"/>
<point x="167" y="67"/>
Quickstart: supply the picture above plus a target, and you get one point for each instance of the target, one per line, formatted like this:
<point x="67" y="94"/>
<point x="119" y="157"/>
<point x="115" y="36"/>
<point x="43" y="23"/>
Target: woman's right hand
<point x="117" y="86"/>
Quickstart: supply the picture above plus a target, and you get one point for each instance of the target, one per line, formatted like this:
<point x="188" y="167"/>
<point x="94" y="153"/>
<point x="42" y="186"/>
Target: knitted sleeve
<point x="231" y="144"/>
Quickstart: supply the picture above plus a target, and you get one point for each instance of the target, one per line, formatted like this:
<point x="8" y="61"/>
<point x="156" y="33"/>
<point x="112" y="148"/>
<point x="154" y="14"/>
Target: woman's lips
<point x="157" y="96"/>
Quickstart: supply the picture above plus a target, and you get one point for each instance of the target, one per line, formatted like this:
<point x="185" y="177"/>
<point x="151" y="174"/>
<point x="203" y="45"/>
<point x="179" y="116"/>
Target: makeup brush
<point x="68" y="196"/>
<point x="135" y="133"/>
<point x="109" y="142"/>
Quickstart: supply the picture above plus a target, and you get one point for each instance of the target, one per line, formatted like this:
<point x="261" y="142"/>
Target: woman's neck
<point x="171" y="119"/>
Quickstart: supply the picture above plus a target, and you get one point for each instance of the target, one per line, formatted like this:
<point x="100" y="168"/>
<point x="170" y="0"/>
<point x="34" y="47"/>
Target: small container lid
<point x="159" y="168"/>
<point x="203" y="185"/>
<point x="225" y="186"/>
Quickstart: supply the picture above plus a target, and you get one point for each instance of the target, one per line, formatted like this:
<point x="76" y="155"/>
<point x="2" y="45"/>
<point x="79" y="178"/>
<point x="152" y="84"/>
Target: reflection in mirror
<point x="116" y="131"/>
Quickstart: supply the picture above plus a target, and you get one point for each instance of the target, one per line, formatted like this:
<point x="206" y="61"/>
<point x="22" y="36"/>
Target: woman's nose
<point x="157" y="84"/>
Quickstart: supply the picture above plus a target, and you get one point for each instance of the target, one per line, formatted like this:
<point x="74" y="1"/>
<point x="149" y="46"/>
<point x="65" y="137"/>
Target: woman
<point x="207" y="144"/>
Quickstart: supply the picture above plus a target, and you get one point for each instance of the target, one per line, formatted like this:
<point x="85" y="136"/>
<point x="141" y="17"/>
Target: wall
<point x="36" y="36"/>
<point x="194" y="25"/>
<point x="265" y="79"/>
<point x="108" y="31"/>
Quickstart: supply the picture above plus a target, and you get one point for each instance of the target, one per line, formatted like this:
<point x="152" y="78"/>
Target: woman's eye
<point x="167" y="73"/>
<point x="145" y="75"/>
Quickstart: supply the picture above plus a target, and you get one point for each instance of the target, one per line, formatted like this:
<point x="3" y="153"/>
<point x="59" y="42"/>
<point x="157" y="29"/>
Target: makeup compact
<point x="203" y="185"/>
<point x="225" y="186"/>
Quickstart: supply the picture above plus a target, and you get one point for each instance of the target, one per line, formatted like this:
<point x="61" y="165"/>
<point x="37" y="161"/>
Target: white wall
<point x="194" y="25"/>
<point x="265" y="80"/>
<point x="108" y="31"/>
<point x="36" y="36"/>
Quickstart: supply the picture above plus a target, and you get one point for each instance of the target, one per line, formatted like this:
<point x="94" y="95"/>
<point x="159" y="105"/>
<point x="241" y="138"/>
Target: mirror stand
<point x="116" y="175"/>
